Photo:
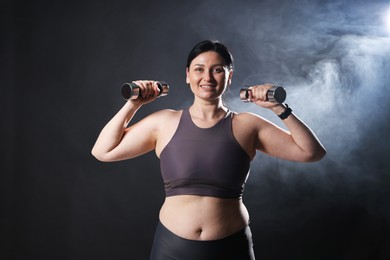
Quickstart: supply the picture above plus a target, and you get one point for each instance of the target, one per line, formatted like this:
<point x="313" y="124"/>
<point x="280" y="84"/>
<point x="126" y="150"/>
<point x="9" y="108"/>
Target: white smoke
<point x="333" y="57"/>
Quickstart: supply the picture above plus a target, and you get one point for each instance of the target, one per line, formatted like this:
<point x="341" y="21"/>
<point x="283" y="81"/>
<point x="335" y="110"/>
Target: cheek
<point x="193" y="77"/>
<point x="190" y="80"/>
<point x="222" y="78"/>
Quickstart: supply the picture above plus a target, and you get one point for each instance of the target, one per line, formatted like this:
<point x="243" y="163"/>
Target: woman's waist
<point x="203" y="218"/>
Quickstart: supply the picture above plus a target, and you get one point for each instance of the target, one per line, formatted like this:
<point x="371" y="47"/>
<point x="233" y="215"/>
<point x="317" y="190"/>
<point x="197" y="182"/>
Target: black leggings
<point x="167" y="245"/>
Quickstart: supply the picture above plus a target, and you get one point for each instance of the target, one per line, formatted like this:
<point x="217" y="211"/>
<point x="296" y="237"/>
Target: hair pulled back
<point x="211" y="45"/>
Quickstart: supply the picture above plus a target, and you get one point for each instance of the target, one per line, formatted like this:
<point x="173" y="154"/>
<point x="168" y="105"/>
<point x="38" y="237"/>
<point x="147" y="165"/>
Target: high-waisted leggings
<point x="167" y="245"/>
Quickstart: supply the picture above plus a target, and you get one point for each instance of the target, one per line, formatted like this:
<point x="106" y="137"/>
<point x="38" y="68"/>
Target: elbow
<point x="96" y="155"/>
<point x="321" y="153"/>
<point x="316" y="155"/>
<point x="107" y="156"/>
<point x="100" y="156"/>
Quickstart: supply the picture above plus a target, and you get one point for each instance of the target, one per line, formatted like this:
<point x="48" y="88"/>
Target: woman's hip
<point x="167" y="245"/>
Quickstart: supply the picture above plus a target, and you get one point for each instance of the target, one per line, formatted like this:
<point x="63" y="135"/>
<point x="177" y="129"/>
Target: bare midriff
<point x="203" y="218"/>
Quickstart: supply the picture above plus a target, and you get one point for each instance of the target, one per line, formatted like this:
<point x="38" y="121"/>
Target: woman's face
<point x="208" y="75"/>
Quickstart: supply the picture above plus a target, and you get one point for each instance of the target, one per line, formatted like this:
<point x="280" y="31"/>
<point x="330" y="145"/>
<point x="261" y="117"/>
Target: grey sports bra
<point x="204" y="161"/>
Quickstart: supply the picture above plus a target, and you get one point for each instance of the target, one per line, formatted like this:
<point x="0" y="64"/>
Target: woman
<point x="205" y="152"/>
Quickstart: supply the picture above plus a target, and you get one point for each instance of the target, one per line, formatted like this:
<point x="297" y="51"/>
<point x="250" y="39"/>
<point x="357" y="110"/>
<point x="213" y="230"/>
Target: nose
<point x="208" y="76"/>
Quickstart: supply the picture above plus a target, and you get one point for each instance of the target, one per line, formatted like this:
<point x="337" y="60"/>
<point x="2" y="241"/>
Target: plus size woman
<point x="205" y="153"/>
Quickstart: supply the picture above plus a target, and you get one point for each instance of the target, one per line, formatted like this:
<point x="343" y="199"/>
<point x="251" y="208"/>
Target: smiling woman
<point x="205" y="153"/>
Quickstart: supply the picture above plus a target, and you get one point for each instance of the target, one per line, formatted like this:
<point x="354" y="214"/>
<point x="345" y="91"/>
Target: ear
<point x="187" y="79"/>
<point x="230" y="78"/>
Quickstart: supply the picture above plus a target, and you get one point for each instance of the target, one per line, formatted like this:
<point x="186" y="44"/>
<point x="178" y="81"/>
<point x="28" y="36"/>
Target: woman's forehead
<point x="207" y="58"/>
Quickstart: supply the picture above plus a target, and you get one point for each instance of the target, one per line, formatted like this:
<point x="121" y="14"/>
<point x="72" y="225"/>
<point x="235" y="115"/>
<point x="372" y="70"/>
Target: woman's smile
<point x="208" y="86"/>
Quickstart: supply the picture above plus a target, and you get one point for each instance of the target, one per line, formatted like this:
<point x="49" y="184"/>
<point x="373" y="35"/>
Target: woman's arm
<point x="299" y="143"/>
<point x="116" y="141"/>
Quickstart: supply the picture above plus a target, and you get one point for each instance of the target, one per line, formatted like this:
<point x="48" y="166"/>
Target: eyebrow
<point x="223" y="65"/>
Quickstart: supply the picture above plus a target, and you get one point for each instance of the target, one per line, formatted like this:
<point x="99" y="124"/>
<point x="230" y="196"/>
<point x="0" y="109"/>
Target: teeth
<point x="206" y="86"/>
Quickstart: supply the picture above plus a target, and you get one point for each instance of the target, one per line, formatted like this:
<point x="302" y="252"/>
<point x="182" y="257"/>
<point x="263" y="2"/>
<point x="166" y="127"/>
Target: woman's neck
<point x="208" y="110"/>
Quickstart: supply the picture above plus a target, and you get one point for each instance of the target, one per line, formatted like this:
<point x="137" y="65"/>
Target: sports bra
<point x="204" y="161"/>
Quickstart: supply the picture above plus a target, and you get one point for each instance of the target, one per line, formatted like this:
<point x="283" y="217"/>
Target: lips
<point x="207" y="86"/>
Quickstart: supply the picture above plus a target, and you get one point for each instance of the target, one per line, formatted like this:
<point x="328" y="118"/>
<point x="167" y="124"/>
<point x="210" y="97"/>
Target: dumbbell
<point x="275" y="94"/>
<point x="132" y="90"/>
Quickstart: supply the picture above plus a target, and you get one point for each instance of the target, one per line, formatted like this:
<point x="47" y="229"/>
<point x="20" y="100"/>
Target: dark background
<point x="62" y="65"/>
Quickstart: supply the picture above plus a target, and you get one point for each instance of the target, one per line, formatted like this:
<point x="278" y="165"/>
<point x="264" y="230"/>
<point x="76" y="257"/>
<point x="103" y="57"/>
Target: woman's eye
<point x="218" y="70"/>
<point x="198" y="69"/>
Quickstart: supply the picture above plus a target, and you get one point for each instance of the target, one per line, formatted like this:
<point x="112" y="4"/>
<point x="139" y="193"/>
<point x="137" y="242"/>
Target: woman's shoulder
<point x="249" y="118"/>
<point x="246" y="115"/>
<point x="166" y="115"/>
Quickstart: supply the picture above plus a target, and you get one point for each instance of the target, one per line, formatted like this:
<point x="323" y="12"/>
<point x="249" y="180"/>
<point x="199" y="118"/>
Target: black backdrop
<point x="62" y="65"/>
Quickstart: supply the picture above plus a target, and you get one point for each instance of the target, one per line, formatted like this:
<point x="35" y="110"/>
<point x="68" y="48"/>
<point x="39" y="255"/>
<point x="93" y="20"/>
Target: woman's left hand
<point x="258" y="95"/>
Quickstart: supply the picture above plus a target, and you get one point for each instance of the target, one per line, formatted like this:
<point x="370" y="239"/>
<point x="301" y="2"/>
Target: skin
<point x="201" y="217"/>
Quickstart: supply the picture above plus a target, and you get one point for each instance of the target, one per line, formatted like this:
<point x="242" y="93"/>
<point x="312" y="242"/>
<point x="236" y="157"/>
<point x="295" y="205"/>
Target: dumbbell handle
<point x="276" y="94"/>
<point x="132" y="90"/>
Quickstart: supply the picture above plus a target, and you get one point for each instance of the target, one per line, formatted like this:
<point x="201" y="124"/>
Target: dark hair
<point x="211" y="45"/>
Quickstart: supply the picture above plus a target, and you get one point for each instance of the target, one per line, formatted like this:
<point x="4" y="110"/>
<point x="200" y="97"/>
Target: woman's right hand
<point x="148" y="92"/>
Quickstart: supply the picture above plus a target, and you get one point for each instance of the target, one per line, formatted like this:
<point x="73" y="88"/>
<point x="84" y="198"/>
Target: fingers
<point x="148" y="88"/>
<point x="259" y="92"/>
